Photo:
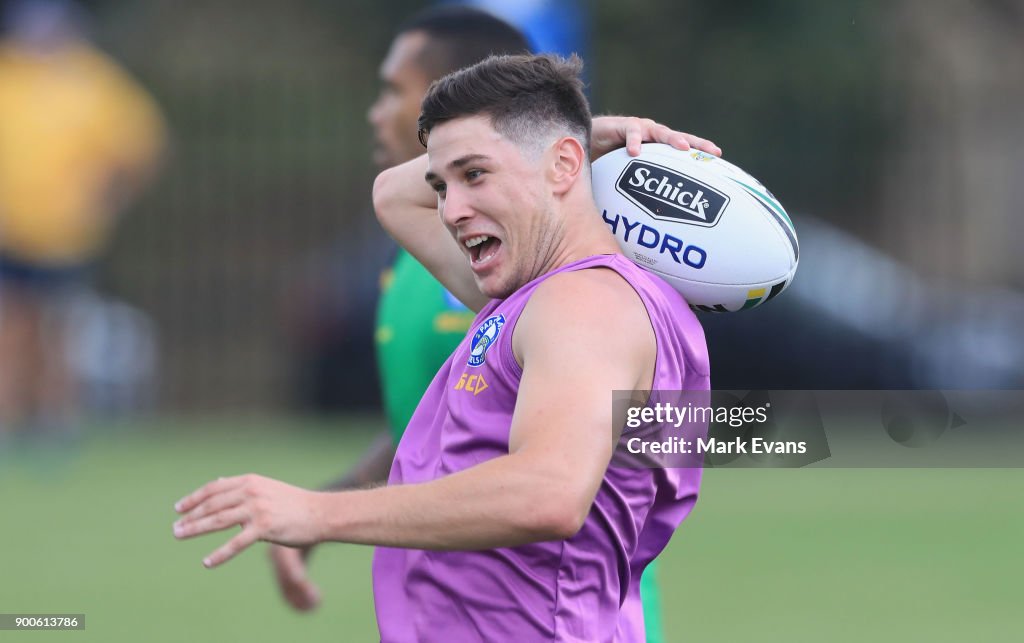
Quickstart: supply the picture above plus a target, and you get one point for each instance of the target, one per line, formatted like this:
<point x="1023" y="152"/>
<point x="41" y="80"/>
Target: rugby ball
<point x="705" y="226"/>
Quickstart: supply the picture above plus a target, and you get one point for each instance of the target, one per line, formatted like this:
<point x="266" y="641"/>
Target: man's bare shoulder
<point x="595" y="306"/>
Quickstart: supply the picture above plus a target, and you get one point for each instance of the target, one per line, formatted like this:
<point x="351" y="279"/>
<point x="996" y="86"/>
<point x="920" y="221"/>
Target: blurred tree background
<point x="900" y="122"/>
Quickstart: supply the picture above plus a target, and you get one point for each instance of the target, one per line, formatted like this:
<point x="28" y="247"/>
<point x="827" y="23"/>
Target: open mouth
<point x="482" y="249"/>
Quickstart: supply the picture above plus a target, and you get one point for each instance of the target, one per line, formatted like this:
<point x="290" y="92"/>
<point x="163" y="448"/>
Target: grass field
<point x="780" y="555"/>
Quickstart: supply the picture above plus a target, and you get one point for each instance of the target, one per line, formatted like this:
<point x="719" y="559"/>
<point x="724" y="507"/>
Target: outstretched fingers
<point x="265" y="509"/>
<point x="214" y="504"/>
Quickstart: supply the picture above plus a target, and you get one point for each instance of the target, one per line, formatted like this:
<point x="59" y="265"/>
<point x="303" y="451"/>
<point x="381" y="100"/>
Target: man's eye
<point x="439" y="187"/>
<point x="473" y="175"/>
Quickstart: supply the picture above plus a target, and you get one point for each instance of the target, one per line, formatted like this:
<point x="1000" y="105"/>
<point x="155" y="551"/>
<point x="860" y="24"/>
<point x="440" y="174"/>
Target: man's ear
<point x="567" y="162"/>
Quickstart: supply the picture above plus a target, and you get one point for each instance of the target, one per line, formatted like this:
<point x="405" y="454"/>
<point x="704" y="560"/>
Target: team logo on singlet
<point x="486" y="334"/>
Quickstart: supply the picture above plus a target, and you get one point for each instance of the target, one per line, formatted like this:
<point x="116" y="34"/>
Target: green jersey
<point x="419" y="324"/>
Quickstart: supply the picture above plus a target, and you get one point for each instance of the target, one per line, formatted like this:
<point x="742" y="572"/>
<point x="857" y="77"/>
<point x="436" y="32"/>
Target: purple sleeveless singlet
<point x="586" y="588"/>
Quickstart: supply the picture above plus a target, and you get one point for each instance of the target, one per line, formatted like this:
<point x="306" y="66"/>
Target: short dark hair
<point x="460" y="36"/>
<point x="528" y="98"/>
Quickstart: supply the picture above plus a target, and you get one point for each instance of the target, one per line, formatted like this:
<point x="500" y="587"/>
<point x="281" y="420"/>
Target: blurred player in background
<point x="80" y="139"/>
<point x="502" y="517"/>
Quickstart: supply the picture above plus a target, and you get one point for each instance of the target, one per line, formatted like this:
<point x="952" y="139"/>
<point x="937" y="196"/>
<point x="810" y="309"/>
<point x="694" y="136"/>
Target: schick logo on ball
<point x="671" y="196"/>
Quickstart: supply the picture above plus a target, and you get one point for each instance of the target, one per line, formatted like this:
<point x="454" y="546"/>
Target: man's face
<point x="394" y="114"/>
<point x="495" y="202"/>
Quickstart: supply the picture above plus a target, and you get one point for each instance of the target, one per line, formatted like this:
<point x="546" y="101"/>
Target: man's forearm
<point x="498" y="503"/>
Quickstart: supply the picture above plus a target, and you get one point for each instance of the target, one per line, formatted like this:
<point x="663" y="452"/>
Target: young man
<point x="419" y="323"/>
<point x="502" y="517"/>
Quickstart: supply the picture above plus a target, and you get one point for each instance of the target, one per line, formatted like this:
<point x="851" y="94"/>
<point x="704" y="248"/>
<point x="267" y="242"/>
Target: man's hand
<point x="290" y="567"/>
<point x="265" y="509"/>
<point x="612" y="132"/>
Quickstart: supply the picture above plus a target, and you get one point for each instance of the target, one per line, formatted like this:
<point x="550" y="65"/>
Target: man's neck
<point x="585" y="234"/>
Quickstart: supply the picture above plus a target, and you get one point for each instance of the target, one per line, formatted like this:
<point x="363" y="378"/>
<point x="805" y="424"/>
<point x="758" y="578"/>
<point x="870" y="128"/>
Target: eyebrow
<point x="430" y="177"/>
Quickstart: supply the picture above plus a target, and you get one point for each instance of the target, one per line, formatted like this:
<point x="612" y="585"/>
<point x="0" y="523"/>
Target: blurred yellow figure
<point x="78" y="140"/>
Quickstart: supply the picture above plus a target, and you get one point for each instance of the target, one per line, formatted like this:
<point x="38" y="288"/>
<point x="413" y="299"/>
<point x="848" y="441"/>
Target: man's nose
<point x="455" y="208"/>
<point x="375" y="113"/>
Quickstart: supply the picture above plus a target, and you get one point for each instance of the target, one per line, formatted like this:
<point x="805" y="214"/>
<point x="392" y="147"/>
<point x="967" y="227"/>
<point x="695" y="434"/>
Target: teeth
<point x="475" y="241"/>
